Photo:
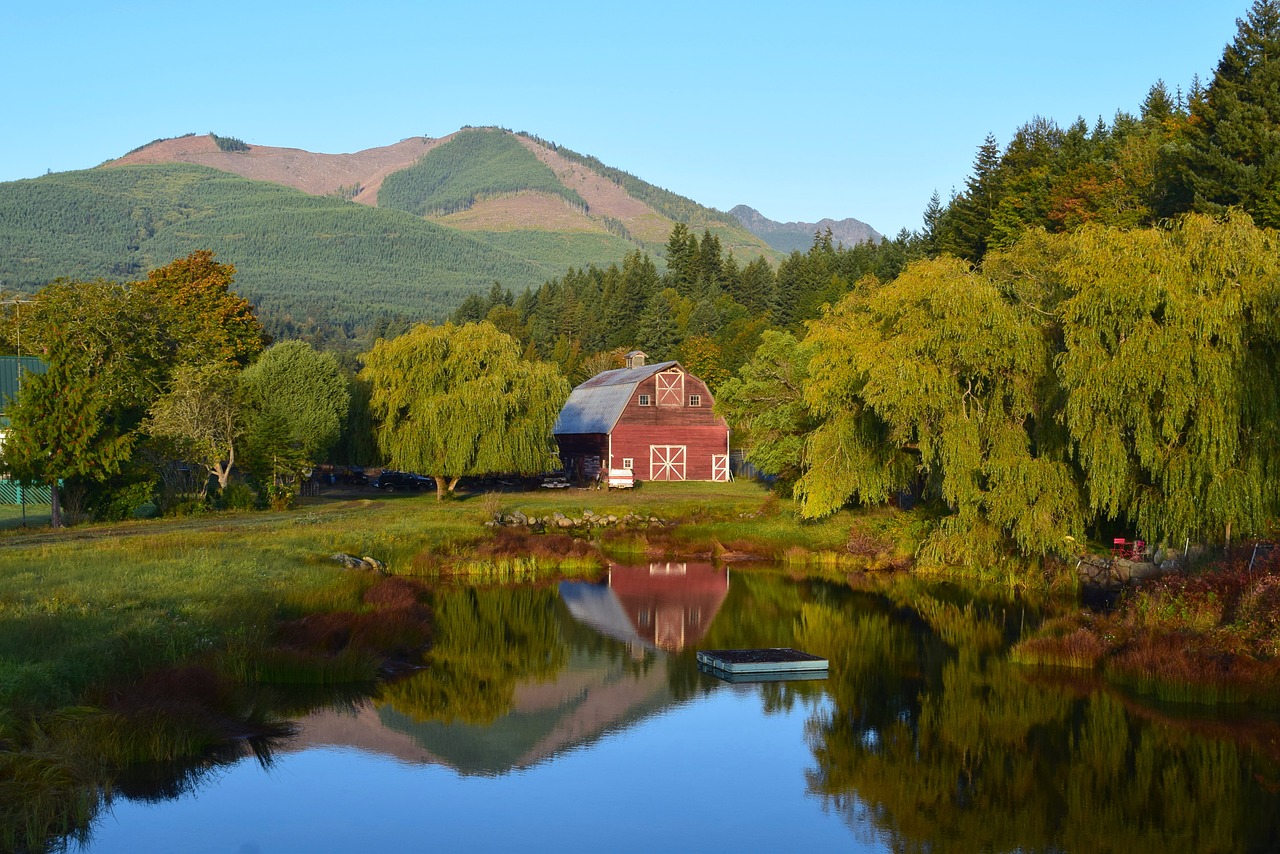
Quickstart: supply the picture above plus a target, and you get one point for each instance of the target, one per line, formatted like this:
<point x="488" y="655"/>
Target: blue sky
<point x="801" y="110"/>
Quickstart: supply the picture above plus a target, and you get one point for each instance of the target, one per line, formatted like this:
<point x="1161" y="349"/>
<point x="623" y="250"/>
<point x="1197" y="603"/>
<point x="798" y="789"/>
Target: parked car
<point x="390" y="481"/>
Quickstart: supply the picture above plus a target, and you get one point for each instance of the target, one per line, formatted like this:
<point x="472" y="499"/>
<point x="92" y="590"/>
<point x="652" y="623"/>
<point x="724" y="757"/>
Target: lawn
<point x="18" y="516"/>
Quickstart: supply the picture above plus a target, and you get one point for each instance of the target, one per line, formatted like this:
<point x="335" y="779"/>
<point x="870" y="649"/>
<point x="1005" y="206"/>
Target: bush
<point x="279" y="497"/>
<point x="238" y="496"/>
<point x="115" y="503"/>
<point x="186" y="505"/>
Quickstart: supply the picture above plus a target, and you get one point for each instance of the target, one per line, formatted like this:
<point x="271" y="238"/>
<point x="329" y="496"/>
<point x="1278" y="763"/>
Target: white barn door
<point x="666" y="462"/>
<point x="670" y="388"/>
<point x="720" y="468"/>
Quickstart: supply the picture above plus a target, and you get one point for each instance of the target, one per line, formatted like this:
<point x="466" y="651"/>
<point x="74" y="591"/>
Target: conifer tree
<point x="1233" y="155"/>
<point x="682" y="258"/>
<point x="968" y="220"/>
<point x="62" y="427"/>
<point x="656" y="332"/>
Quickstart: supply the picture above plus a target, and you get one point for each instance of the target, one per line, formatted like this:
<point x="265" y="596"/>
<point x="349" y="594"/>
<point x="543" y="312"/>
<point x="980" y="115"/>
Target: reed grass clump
<point x="1079" y="649"/>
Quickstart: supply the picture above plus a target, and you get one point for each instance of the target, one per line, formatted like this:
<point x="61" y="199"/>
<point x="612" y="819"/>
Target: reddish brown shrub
<point x="177" y="691"/>
<point x="394" y="592"/>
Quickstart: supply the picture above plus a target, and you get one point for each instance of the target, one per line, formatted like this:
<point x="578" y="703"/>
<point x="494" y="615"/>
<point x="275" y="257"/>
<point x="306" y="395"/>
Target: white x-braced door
<point x="670" y="388"/>
<point x="666" y="462"/>
<point x="720" y="468"/>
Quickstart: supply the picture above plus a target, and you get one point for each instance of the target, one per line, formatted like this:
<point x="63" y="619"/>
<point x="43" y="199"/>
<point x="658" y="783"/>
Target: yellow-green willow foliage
<point x="1170" y="342"/>
<point x="1103" y="375"/>
<point x="453" y="400"/>
<point x="487" y="642"/>
<point x="939" y="375"/>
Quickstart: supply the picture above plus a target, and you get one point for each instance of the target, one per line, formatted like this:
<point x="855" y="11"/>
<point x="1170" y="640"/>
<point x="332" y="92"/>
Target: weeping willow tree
<point x="1102" y="376"/>
<point x="1170" y="368"/>
<point x="940" y="376"/>
<point x="452" y="401"/>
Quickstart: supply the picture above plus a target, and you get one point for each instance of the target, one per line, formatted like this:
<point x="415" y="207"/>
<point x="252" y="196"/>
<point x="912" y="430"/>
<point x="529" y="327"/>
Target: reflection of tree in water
<point x="769" y="609"/>
<point x="93" y="757"/>
<point x="487" y="642"/>
<point x="973" y="756"/>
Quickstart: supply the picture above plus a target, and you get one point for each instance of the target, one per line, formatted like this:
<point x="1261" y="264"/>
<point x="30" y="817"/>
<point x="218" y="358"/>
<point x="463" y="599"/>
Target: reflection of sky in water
<point x="715" y="774"/>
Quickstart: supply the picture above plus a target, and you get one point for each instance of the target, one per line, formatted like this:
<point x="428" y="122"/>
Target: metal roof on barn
<point x="596" y="405"/>
<point x="9" y="368"/>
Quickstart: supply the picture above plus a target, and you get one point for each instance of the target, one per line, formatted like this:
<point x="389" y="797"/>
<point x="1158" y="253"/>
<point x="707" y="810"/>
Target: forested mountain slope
<point x="436" y="219"/>
<point x="294" y="253"/>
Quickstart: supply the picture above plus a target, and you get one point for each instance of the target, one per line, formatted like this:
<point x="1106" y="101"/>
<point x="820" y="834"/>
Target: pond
<point x="572" y="717"/>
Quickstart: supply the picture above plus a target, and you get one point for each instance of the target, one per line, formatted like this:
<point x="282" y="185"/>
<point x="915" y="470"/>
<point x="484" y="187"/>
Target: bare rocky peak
<point x="793" y="236"/>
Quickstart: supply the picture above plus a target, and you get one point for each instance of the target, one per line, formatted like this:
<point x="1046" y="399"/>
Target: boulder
<point x="1143" y="570"/>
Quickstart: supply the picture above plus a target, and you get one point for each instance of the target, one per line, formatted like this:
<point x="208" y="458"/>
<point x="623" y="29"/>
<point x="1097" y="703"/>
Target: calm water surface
<point x="573" y="718"/>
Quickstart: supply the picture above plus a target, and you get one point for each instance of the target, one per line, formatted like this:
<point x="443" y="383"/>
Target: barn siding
<point x="633" y="440"/>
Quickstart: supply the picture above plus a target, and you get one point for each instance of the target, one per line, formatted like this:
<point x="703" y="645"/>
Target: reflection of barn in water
<point x="596" y="692"/>
<point x="664" y="605"/>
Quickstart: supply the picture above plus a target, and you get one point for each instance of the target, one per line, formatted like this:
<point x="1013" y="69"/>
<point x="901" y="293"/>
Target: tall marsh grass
<point x="1206" y="637"/>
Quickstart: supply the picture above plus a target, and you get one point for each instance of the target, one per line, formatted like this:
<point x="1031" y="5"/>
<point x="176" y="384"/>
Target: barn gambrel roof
<point x="596" y="405"/>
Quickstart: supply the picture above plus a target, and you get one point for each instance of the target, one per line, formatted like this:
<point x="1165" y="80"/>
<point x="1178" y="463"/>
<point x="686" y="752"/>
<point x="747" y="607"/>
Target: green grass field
<point x="18" y="516"/>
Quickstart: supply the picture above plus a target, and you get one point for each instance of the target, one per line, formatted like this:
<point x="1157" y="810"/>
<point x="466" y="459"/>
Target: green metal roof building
<point x="12" y="368"/>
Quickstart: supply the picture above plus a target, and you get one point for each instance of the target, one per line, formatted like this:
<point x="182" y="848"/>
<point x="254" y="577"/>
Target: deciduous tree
<point x="938" y="373"/>
<point x="453" y="400"/>
<point x="1171" y="339"/>
<point x="764" y="404"/>
<point x="201" y="414"/>
<point x="297" y="402"/>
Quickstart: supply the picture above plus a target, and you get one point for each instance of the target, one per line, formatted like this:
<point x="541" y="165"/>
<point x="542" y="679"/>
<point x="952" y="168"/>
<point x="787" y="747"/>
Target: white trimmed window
<point x="643" y="400"/>
<point x="695" y="400"/>
<point x="628" y="463"/>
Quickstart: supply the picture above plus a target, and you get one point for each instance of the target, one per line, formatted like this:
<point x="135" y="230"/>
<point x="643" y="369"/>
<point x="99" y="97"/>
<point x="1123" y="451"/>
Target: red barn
<point x="653" y="419"/>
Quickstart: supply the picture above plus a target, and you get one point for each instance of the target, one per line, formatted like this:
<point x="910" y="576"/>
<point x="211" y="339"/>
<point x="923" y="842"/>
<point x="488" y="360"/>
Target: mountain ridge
<point x="798" y="236"/>
<point x="309" y="239"/>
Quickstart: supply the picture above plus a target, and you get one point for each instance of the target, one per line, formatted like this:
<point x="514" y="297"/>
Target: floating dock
<point x="775" y="663"/>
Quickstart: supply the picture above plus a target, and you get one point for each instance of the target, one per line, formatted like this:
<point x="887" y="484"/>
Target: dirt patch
<point x="604" y="197"/>
<point x="529" y="211"/>
<point x="317" y="174"/>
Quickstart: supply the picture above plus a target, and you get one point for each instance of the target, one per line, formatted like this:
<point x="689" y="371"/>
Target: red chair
<point x="1119" y="547"/>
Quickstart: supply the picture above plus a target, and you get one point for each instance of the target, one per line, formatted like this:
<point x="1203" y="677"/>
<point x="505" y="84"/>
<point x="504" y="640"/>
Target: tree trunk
<point x="55" y="505"/>
<point x="223" y="471"/>
<point x="440" y="486"/>
<point x="453" y="483"/>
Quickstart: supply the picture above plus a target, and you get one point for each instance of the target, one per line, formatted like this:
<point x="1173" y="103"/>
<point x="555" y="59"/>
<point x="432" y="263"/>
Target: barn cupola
<point x="635" y="359"/>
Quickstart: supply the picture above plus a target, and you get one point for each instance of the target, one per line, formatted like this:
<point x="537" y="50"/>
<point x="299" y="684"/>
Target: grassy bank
<point x="1210" y="636"/>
